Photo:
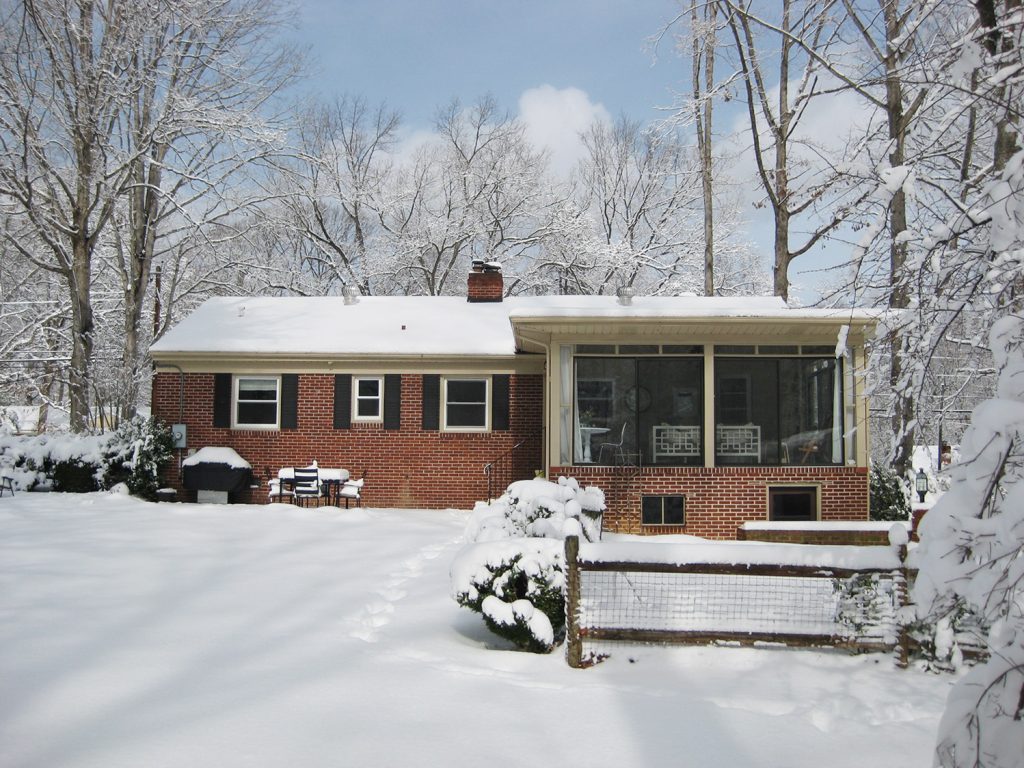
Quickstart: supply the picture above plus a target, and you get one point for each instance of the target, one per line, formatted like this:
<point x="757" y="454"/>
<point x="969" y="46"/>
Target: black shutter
<point x="342" y="400"/>
<point x="431" y="402"/>
<point x="393" y="401"/>
<point x="222" y="400"/>
<point x="289" y="401"/>
<point x="499" y="401"/>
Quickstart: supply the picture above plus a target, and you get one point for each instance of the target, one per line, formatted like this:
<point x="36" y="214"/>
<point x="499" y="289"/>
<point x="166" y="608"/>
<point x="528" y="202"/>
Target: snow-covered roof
<point x="433" y="325"/>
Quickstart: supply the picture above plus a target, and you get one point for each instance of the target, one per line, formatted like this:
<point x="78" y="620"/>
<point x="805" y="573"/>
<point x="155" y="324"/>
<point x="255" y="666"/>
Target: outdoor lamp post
<point x="921" y="484"/>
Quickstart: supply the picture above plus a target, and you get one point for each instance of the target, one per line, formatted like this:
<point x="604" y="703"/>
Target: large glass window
<point x="643" y="410"/>
<point x="465" y="404"/>
<point x="777" y="411"/>
<point x="256" y="401"/>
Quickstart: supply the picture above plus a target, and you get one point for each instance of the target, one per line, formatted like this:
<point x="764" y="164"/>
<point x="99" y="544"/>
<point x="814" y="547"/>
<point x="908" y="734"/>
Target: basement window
<point x="793" y="503"/>
<point x="662" y="510"/>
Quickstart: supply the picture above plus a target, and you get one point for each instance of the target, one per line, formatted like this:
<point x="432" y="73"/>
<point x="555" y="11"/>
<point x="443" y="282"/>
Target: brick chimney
<point x="485" y="282"/>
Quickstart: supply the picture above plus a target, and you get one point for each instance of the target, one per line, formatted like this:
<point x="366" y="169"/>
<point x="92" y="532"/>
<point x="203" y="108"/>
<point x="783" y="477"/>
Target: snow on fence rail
<point x="792" y="594"/>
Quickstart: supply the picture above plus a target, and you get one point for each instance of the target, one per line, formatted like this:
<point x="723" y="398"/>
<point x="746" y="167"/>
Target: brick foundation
<point x="839" y="537"/>
<point x="719" y="500"/>
<point x="409" y="467"/>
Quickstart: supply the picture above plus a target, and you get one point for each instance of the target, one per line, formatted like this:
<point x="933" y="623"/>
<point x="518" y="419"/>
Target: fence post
<point x="902" y="600"/>
<point x="573" y="641"/>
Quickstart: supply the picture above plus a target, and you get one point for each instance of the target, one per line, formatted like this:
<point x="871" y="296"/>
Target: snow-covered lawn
<point x="136" y="634"/>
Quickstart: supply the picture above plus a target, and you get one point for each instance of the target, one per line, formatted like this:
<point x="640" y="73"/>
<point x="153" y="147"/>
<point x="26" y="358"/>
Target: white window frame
<point x="487" y="404"/>
<point x="379" y="398"/>
<point x="235" y="382"/>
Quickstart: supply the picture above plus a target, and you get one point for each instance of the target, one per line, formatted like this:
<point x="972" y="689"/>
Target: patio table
<point x="331" y="478"/>
<point x="588" y="433"/>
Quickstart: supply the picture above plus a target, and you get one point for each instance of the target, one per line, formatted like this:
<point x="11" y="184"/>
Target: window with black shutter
<point x="500" y="401"/>
<point x="342" y="401"/>
<point x="431" y="417"/>
<point x="393" y="401"/>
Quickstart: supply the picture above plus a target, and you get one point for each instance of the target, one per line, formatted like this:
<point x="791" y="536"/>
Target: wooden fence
<point x="745" y="603"/>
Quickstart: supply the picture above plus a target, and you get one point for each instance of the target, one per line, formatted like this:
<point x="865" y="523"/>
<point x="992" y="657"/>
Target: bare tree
<point x="473" y="191"/>
<point x="640" y="189"/>
<point x="110" y="108"/>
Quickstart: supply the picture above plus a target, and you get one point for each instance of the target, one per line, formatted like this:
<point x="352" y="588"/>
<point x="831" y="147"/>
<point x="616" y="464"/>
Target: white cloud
<point x="554" y="119"/>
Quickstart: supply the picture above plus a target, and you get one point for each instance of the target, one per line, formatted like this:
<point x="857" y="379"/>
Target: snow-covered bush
<point x="539" y="508"/>
<point x="888" y="495"/>
<point x="518" y="585"/>
<point x="135" y="454"/>
<point x="512" y="569"/>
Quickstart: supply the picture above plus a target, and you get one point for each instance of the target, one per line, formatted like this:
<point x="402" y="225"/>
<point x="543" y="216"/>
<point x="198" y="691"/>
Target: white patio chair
<point x="616" y="448"/>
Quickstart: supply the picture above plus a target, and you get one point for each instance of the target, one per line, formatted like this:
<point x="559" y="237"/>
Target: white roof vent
<point x="625" y="295"/>
<point x="350" y="294"/>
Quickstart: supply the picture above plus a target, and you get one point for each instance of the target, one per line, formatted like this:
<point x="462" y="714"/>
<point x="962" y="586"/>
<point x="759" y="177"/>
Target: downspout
<point x="181" y="403"/>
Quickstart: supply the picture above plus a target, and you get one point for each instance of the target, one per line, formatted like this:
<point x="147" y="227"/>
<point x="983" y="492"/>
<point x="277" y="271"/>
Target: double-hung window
<point x="465" y="404"/>
<point x="368" y="398"/>
<point x="257" y="402"/>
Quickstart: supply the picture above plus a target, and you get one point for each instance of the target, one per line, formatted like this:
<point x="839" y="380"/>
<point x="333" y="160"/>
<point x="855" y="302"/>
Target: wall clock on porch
<point x="638" y="399"/>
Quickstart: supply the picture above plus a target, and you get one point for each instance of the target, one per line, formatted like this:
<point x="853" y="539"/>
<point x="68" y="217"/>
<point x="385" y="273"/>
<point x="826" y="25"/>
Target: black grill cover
<point x="207" y="476"/>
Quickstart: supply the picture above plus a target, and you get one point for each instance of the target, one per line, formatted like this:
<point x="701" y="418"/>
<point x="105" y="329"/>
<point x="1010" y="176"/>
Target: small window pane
<point x="734" y="349"/>
<point x="818" y="350"/>
<point x="462" y="415"/>
<point x="650" y="510"/>
<point x="257" y="389"/>
<point x="778" y="349"/>
<point x="673" y="510"/>
<point x="257" y="413"/>
<point x="367" y="408"/>
<point x="638" y="349"/>
<point x="369" y="387"/>
<point x="467" y="391"/>
<point x="595" y="349"/>
<point x="683" y="349"/>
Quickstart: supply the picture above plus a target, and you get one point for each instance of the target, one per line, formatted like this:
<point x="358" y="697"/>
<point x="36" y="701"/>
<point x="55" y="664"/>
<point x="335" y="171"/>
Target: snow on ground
<point x="135" y="634"/>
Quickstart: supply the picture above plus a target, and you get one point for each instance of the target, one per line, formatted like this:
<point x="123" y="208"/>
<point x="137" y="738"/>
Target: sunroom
<point x="671" y="392"/>
<point x="644" y="404"/>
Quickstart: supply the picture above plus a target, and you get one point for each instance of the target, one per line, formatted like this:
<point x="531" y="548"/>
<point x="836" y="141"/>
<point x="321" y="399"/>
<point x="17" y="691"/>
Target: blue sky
<point x="555" y="63"/>
<point x="417" y="55"/>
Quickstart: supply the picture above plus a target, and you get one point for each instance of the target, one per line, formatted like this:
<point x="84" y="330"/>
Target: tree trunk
<point x="703" y="105"/>
<point x="902" y="417"/>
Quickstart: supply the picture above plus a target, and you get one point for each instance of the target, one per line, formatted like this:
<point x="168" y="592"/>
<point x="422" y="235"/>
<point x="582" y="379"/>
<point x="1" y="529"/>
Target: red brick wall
<point x="846" y="537"/>
<point x="405" y="468"/>
<point x="485" y="286"/>
<point x="719" y="500"/>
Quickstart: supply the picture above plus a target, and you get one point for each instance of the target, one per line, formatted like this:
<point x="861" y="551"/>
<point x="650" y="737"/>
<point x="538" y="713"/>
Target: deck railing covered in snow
<point x="790" y="594"/>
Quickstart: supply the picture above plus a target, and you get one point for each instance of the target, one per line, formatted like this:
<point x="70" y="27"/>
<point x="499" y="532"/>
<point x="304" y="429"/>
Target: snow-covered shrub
<point x="888" y="495"/>
<point x="512" y="570"/>
<point x="518" y="585"/>
<point x="540" y="508"/>
<point x="75" y="475"/>
<point x="135" y="454"/>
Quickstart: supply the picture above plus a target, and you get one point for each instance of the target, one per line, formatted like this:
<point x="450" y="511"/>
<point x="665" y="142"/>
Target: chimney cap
<point x="625" y="295"/>
<point x="350" y="294"/>
<point x="480" y="265"/>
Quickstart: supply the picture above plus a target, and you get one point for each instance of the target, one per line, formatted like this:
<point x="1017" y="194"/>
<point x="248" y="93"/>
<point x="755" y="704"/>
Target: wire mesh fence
<point x="612" y="602"/>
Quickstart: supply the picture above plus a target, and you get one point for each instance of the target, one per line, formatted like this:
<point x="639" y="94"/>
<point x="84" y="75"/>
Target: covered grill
<point x="214" y="473"/>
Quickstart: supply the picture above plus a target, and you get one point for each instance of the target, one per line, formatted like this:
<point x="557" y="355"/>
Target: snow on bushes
<point x="512" y="569"/>
<point x="135" y="454"/>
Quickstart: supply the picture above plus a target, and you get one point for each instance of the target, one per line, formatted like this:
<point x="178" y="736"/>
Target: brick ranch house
<point x="694" y="414"/>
